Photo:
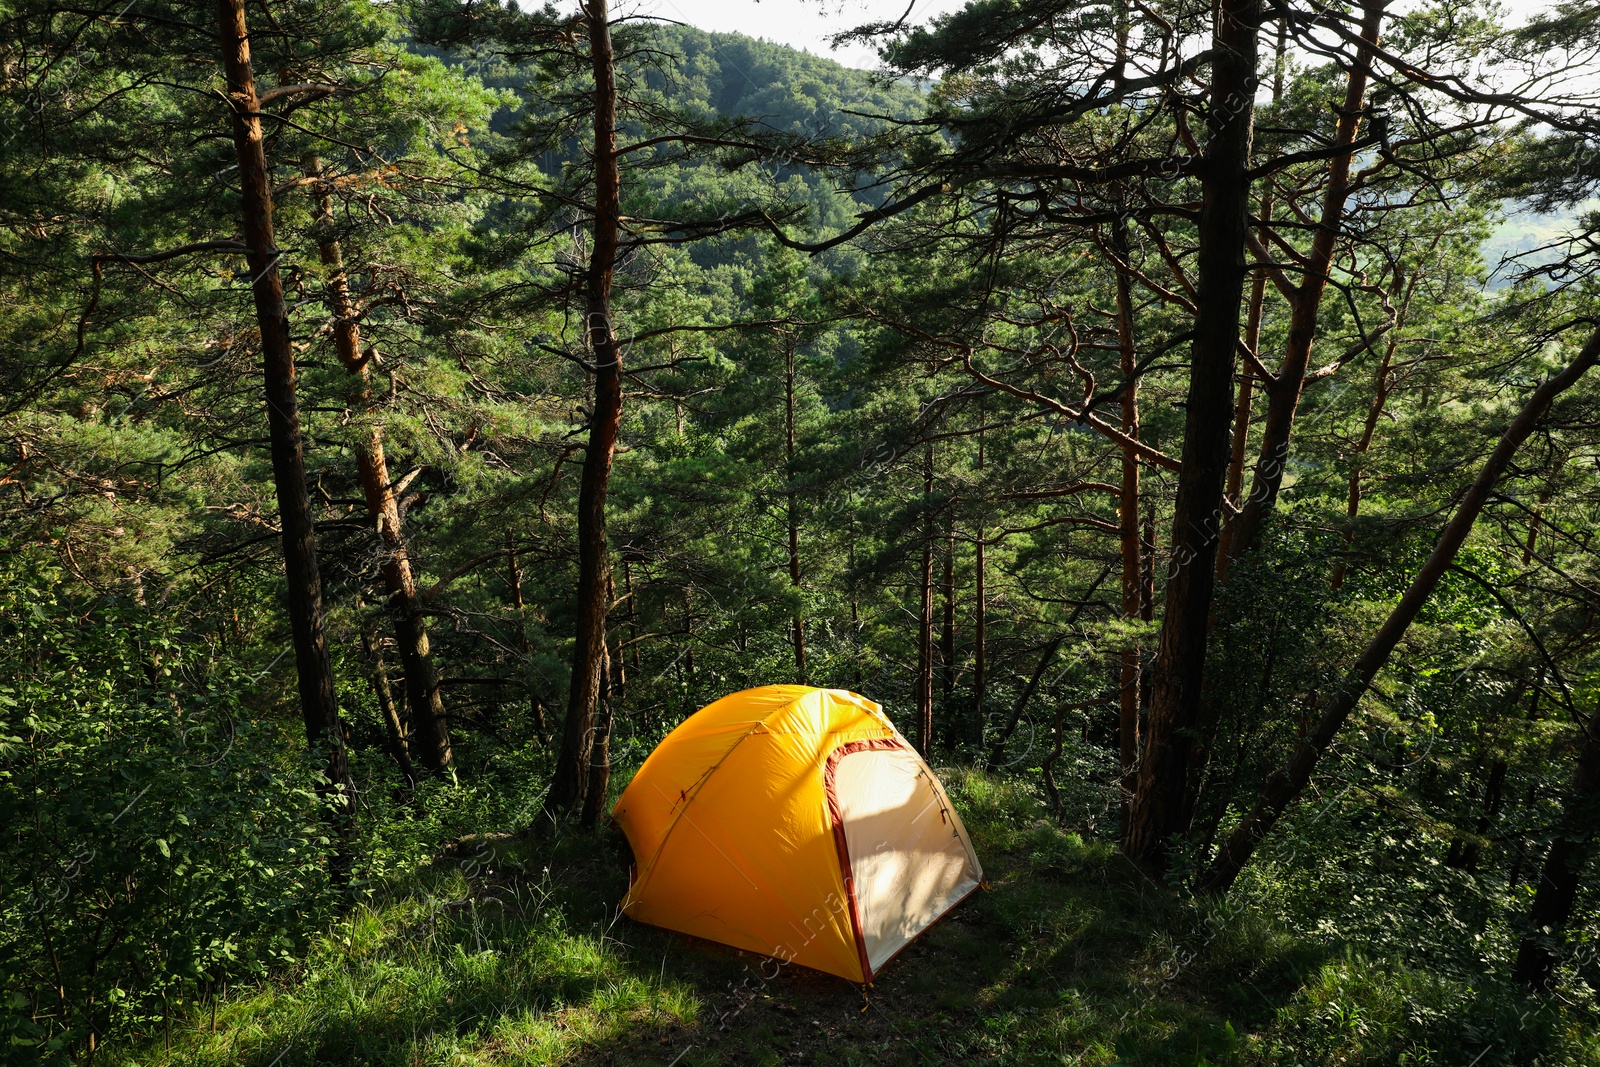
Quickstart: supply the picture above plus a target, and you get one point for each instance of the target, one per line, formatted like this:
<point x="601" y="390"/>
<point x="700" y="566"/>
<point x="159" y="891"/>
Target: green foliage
<point x="509" y="952"/>
<point x="164" y="853"/>
<point x="162" y="838"/>
<point x="1356" y="1010"/>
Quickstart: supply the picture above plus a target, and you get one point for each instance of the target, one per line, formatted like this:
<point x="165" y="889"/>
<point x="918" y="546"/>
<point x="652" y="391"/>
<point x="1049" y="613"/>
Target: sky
<point x="807" y="24"/>
<point x="799" y="23"/>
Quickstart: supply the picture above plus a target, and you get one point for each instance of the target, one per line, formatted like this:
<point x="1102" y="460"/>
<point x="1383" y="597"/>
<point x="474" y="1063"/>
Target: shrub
<point x="162" y="838"/>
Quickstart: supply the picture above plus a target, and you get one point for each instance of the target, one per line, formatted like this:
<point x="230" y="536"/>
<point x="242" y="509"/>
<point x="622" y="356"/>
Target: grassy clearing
<point x="503" y="952"/>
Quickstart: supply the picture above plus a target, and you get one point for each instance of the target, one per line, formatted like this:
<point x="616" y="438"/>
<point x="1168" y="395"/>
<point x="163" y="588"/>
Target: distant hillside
<point x="787" y="89"/>
<point x="729" y="75"/>
<point x="1522" y="231"/>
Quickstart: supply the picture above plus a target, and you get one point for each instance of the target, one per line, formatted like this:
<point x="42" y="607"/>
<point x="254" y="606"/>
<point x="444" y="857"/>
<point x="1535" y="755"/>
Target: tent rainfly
<point x="795" y="822"/>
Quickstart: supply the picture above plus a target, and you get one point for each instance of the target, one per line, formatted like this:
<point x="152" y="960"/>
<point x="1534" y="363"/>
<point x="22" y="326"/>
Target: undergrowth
<point x="504" y="951"/>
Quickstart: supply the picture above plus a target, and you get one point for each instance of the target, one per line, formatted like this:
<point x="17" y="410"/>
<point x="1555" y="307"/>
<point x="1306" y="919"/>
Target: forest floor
<point x="508" y="952"/>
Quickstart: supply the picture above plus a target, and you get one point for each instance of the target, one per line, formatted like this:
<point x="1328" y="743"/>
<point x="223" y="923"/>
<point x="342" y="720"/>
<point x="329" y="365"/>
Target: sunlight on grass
<point x="1069" y="957"/>
<point x="420" y="982"/>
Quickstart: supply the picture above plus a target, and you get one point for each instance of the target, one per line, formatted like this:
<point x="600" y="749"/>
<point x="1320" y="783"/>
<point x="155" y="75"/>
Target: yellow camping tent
<point x="795" y="822"/>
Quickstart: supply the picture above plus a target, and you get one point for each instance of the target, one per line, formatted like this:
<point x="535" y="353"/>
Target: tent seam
<point x="705" y="777"/>
<point x="688" y="801"/>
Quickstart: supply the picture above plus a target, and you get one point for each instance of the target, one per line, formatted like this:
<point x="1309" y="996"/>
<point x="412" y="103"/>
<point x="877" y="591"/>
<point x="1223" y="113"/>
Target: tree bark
<point x="1047" y="765"/>
<point x="1287" y="782"/>
<point x="524" y="646"/>
<point x="997" y="750"/>
<point x="1179" y="665"/>
<point x="925" y="615"/>
<point x="1243" y="409"/>
<point x="313" y="667"/>
<point x="633" y="636"/>
<point x="688" y="656"/>
<point x="594" y="798"/>
<point x="633" y="612"/>
<point x="1369" y="428"/>
<point x="432" y="734"/>
<point x="1537" y="955"/>
<point x="798" y="630"/>
<point x="570" y="782"/>
<point x="1520" y="859"/>
<point x="1466" y="855"/>
<point x="855" y="611"/>
<point x="1147" y="578"/>
<point x="1128" y="529"/>
<point x="1532" y="541"/>
<point x="1283" y="392"/>
<point x="947" y="633"/>
<point x="394" y="730"/>
<point x="1244" y="404"/>
<point x="980" y="623"/>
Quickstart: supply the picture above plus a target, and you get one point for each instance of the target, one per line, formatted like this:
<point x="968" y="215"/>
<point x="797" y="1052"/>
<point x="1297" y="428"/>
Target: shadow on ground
<point x="505" y="952"/>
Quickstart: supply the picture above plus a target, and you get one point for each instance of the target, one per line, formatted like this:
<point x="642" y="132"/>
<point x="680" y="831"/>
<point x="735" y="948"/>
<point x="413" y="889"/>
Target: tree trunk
<point x="1466" y="855"/>
<point x="394" y="730"/>
<point x="1131" y="548"/>
<point x="1128" y="529"/>
<point x="1532" y="542"/>
<point x="570" y="783"/>
<point x="1520" y="859"/>
<point x="947" y="634"/>
<point x="1233" y="490"/>
<point x="404" y="605"/>
<point x="798" y="631"/>
<point x="1147" y="578"/>
<point x="925" y="615"/>
<point x="1244" y="404"/>
<point x="524" y="646"/>
<point x="1283" y="392"/>
<point x="1287" y="782"/>
<point x="980" y="625"/>
<point x="688" y="656"/>
<point x="855" y="611"/>
<point x="633" y="612"/>
<point x="643" y="724"/>
<point x="313" y="667"/>
<point x="1352" y="504"/>
<point x="1047" y="765"/>
<point x="997" y="750"/>
<point x="1179" y="663"/>
<point x="980" y="619"/>
<point x="1563" y="865"/>
<point x="1558" y="878"/>
<point x="594" y="799"/>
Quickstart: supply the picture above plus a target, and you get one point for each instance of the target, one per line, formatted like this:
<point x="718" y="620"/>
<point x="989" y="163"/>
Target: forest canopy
<point x="1179" y="417"/>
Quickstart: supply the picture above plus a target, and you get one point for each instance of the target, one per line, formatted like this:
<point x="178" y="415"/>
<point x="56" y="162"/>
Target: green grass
<point x="504" y="952"/>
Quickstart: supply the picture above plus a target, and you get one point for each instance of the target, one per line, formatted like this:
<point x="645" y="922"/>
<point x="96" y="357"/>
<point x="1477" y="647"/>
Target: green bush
<point x="1360" y="1011"/>
<point x="163" y="836"/>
